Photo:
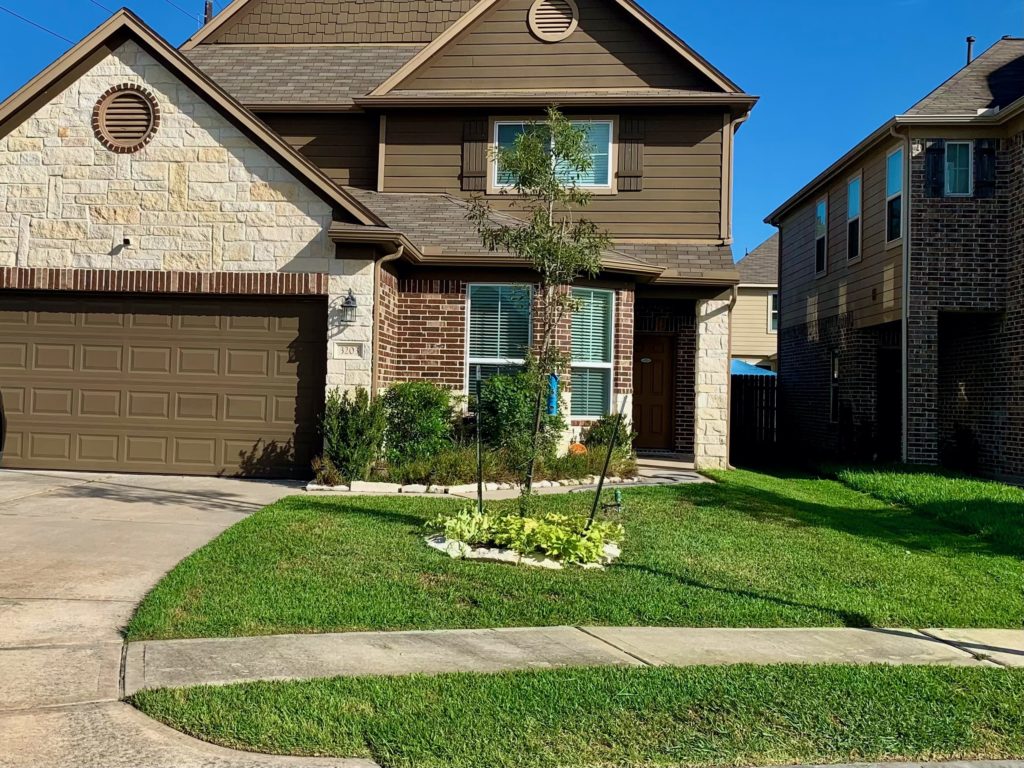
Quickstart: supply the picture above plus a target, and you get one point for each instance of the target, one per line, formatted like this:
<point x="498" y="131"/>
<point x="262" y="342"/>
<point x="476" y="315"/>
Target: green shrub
<point x="353" y="431"/>
<point x="600" y="433"/>
<point x="420" y="418"/>
<point x="561" y="537"/>
<point x="455" y="465"/>
<point x="570" y="467"/>
<point x="507" y="412"/>
<point x="325" y="471"/>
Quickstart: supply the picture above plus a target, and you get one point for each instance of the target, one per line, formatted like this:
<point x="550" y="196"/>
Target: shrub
<point x="325" y="471"/>
<point x="561" y="537"/>
<point x="507" y="412"/>
<point x="353" y="431"/>
<point x="600" y="433"/>
<point x="454" y="466"/>
<point x="420" y="417"/>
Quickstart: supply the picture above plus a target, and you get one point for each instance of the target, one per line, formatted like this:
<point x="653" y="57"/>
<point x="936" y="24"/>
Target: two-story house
<point x="755" y="316"/>
<point x="902" y="324"/>
<point x="195" y="243"/>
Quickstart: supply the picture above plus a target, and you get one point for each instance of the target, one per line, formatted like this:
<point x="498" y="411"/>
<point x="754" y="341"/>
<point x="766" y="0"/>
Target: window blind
<point x="592" y="323"/>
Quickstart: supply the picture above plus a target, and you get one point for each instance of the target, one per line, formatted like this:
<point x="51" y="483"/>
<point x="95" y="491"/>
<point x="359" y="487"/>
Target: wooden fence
<point x="754" y="419"/>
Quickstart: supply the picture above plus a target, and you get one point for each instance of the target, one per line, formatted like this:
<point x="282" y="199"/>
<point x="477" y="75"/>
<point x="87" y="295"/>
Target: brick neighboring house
<point x="901" y="283"/>
<point x="196" y="243"/>
<point x="755" y="318"/>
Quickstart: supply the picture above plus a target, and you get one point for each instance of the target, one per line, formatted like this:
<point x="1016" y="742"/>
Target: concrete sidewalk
<point x="181" y="663"/>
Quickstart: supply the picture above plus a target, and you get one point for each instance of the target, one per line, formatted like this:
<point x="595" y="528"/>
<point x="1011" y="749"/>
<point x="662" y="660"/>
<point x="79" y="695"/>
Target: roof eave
<point x="744" y="102"/>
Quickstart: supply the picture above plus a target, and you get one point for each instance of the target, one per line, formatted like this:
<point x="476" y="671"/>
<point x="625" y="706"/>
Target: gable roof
<point x="262" y="76"/>
<point x="761" y="265"/>
<point x="125" y="25"/>
<point x="638" y="13"/>
<point x="995" y="79"/>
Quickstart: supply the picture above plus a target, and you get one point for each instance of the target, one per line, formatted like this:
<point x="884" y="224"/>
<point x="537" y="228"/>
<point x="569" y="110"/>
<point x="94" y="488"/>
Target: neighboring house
<point x="755" y="318"/>
<point x="196" y="243"/>
<point x="901" y="283"/>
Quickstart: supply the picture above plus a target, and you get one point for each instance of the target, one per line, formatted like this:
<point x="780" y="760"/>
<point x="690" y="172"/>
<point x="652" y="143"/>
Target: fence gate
<point x="754" y="419"/>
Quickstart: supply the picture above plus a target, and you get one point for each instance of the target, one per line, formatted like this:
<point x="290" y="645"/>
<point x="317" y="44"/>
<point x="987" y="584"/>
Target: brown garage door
<point x="162" y="385"/>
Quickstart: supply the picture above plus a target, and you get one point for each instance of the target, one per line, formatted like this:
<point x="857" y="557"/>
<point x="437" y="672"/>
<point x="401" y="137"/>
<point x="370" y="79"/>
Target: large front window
<point x="592" y="350"/>
<point x="599" y="137"/>
<point x="499" y="330"/>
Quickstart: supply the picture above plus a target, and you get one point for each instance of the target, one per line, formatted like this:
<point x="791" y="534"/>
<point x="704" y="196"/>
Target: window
<point x="773" y="312"/>
<point x="499" y="330"/>
<point x="821" y="237"/>
<point x="599" y="135"/>
<point x="894" y="195"/>
<point x="959" y="169"/>
<point x="854" y="202"/>
<point x="592" y="347"/>
<point x="834" y="389"/>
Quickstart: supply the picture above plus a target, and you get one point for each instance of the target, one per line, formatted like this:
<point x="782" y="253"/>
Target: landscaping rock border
<point x="459" y="550"/>
<point x="361" y="487"/>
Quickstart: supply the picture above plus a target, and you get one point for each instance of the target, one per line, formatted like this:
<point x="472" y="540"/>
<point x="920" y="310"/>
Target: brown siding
<point x="750" y="335"/>
<point x="681" y="194"/>
<point x="343" y="146"/>
<point x="608" y="50"/>
<point x="868" y="289"/>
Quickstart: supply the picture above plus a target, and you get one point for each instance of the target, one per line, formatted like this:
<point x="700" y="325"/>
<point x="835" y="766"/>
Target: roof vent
<point x="125" y="118"/>
<point x="554" y="20"/>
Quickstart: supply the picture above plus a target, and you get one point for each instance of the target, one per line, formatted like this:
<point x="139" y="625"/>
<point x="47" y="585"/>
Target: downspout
<point x="905" y="303"/>
<point x="378" y="269"/>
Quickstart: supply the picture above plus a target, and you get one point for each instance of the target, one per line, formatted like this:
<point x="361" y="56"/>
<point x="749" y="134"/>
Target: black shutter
<point x="935" y="168"/>
<point x="632" y="135"/>
<point x="474" y="156"/>
<point x="985" y="167"/>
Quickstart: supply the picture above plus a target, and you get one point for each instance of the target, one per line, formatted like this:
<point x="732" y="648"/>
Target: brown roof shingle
<point x="761" y="265"/>
<point x="994" y="79"/>
<point x="684" y="261"/>
<point x="272" y="75"/>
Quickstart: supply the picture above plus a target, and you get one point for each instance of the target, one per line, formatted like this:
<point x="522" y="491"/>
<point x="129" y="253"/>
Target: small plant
<point x="353" y="432"/>
<point x="325" y="472"/>
<point x="420" y="421"/>
<point x="507" y="408"/>
<point x="601" y="432"/>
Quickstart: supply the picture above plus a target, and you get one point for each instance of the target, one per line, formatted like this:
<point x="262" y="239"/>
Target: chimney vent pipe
<point x="208" y="12"/>
<point x="970" y="48"/>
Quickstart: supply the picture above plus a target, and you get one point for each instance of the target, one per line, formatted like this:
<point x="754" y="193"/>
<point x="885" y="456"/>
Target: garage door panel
<point x="161" y="385"/>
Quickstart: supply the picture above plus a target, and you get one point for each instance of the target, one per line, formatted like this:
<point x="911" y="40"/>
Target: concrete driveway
<point x="77" y="553"/>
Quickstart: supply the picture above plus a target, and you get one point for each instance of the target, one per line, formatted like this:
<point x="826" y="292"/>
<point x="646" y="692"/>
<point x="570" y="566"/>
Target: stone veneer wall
<point x="711" y="416"/>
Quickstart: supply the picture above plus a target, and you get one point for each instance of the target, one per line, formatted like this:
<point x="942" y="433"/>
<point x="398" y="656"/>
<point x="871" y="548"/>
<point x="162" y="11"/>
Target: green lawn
<point x="698" y="716"/>
<point x="753" y="550"/>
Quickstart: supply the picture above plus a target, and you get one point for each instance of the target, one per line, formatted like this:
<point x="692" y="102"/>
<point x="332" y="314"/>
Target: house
<point x="755" y="317"/>
<point x="196" y="243"/>
<point x="902" y="323"/>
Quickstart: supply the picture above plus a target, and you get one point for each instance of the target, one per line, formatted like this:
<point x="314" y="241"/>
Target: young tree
<point x="542" y="170"/>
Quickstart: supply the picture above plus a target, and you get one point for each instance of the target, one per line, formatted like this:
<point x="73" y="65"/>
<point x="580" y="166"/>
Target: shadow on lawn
<point x="912" y="529"/>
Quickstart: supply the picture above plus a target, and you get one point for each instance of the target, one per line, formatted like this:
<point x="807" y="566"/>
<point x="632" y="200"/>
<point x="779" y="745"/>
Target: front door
<point x="653" y="392"/>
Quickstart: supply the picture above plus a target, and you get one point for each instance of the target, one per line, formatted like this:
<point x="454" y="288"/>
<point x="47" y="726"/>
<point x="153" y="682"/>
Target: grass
<point x="698" y="716"/>
<point x="753" y="550"/>
<point x="991" y="509"/>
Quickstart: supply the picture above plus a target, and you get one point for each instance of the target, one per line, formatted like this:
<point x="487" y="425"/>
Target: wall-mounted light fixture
<point x="348" y="308"/>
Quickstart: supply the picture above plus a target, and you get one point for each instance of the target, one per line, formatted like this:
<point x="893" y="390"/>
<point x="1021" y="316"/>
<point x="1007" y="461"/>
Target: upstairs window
<point x="894" y="195"/>
<point x="773" y="312"/>
<point x="959" y="167"/>
<point x="821" y="237"/>
<point x="599" y="136"/>
<point x="592" y="350"/>
<point x="854" y="202"/>
<point x="499" y="330"/>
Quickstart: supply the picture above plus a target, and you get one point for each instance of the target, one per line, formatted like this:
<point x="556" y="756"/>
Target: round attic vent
<point x="554" y="20"/>
<point x="125" y="118"/>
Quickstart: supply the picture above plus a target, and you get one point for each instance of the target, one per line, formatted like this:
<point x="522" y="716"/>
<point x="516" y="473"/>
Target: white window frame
<point x="889" y="198"/>
<point x="610" y="366"/>
<point x="774" y="313"/>
<point x="824" y="270"/>
<point x="970" y="169"/>
<point x="494" y="187"/>
<point x="859" y="218"/>
<point x="470" y="377"/>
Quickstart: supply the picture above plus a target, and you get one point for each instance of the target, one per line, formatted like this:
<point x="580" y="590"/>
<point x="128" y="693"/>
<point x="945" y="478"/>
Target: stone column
<point x="711" y="421"/>
<point x="350" y="344"/>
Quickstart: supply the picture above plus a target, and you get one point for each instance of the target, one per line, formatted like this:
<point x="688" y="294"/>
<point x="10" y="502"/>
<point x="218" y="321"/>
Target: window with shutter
<point x="599" y="136"/>
<point x="959" y="169"/>
<point x="935" y="171"/>
<point x="499" y="329"/>
<point x="474" y="156"/>
<point x="592" y="351"/>
<point x="985" y="167"/>
<point x="632" y="136"/>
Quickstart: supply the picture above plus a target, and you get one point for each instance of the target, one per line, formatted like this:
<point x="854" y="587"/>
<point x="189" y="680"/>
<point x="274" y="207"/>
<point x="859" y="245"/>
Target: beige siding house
<point x="755" y="318"/>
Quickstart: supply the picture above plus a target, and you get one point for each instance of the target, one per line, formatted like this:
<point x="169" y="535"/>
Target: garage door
<point x="161" y="385"/>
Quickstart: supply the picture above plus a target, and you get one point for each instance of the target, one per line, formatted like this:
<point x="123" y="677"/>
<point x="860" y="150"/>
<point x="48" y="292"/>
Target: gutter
<point x="378" y="269"/>
<point x="905" y="304"/>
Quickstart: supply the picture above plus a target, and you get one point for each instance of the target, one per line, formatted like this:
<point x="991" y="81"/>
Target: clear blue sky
<point x="828" y="73"/>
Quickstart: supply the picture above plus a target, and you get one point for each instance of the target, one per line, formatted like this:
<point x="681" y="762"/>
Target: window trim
<point x="612" y="188"/>
<point x="468" y="361"/>
<point x="824" y="270"/>
<point x="970" y="168"/>
<point x="859" y="218"/>
<point x="889" y="198"/>
<point x="777" y="313"/>
<point x="610" y="366"/>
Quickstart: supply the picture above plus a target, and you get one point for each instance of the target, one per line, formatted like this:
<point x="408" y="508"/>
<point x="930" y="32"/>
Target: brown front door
<point x="653" y="392"/>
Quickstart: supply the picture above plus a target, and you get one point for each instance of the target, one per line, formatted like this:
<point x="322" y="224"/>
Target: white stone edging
<point x="460" y="550"/>
<point x="361" y="487"/>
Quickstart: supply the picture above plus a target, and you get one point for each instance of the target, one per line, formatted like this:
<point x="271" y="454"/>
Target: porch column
<point x="349" y="341"/>
<point x="711" y="421"/>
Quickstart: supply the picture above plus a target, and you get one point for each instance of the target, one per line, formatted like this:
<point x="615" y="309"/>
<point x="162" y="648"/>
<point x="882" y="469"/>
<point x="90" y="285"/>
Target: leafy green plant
<point x="507" y="405"/>
<point x="600" y="434"/>
<point x="420" y="420"/>
<point x="353" y="432"/>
